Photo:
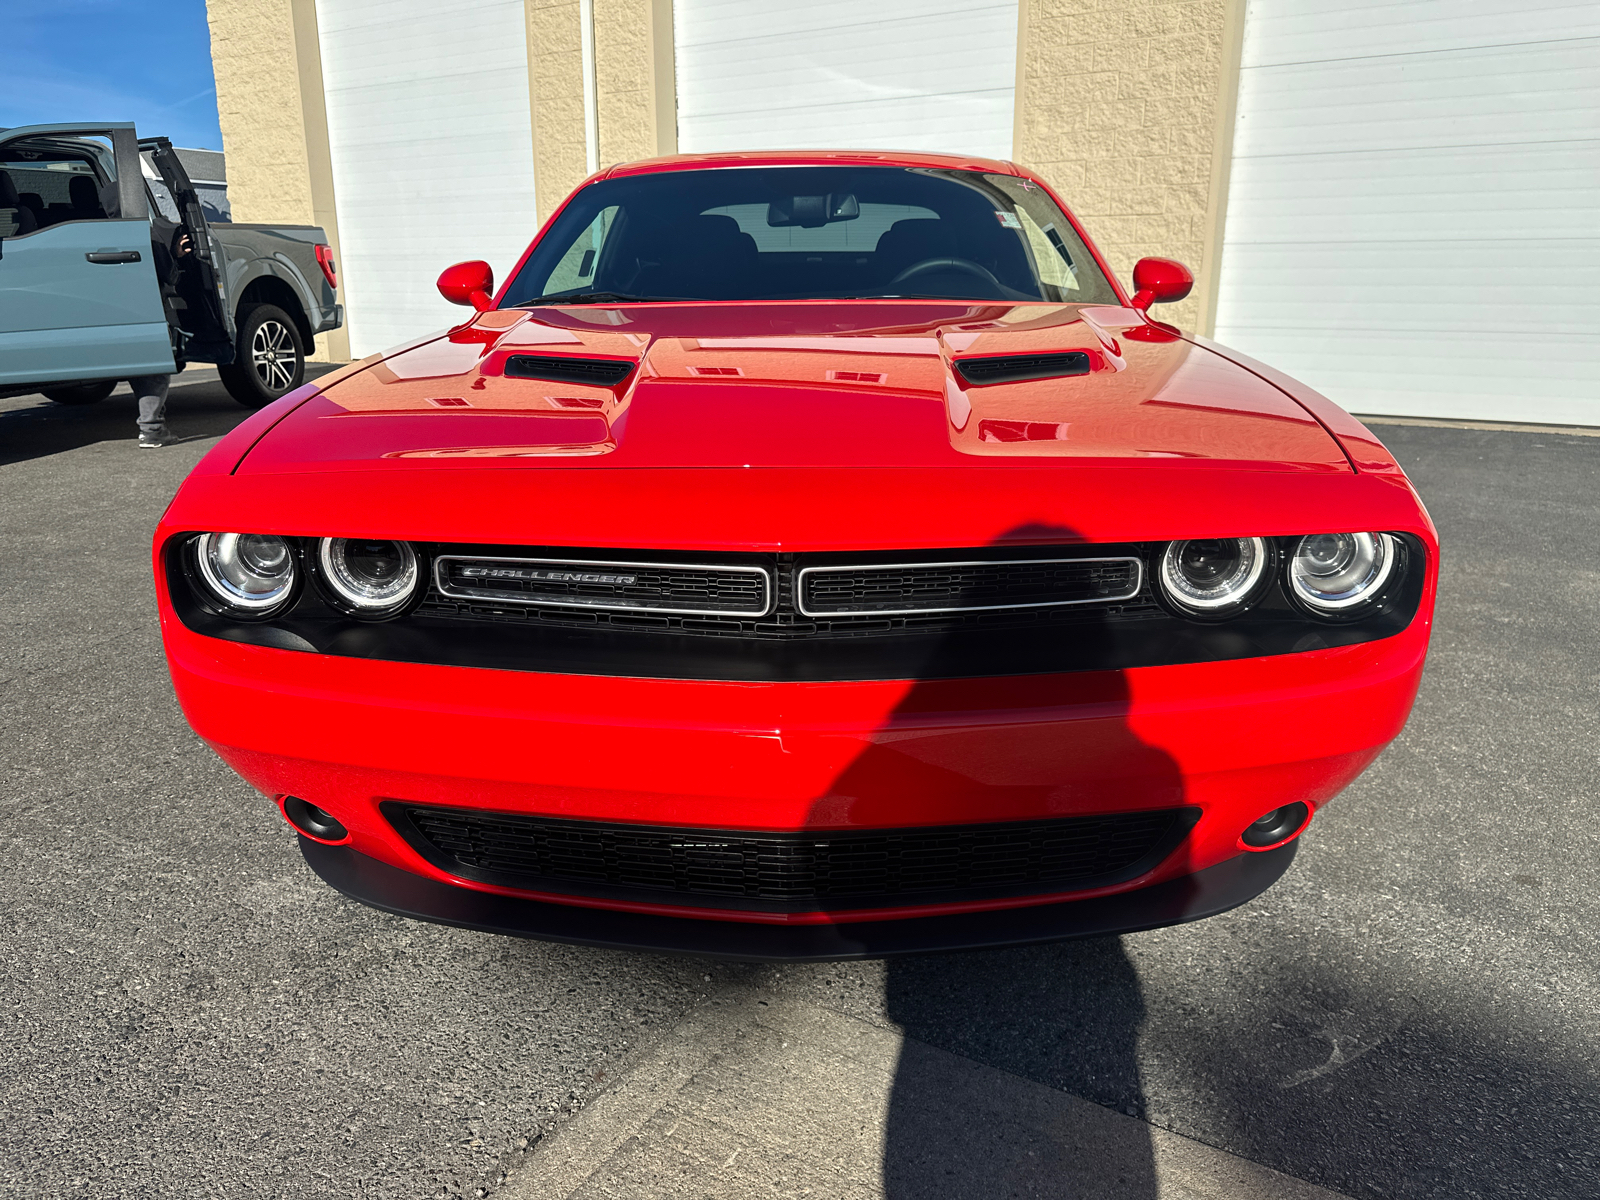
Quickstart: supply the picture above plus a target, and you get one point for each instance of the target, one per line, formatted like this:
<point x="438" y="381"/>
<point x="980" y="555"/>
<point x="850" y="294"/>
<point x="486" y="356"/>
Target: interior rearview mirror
<point x="813" y="212"/>
<point x="468" y="283"/>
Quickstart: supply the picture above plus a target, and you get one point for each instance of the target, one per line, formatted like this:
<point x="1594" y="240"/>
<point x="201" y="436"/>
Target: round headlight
<point x="1213" y="577"/>
<point x="370" y="578"/>
<point x="1340" y="572"/>
<point x="247" y="572"/>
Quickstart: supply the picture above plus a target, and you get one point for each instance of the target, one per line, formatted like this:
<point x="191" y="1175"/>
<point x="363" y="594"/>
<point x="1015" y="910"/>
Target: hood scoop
<point x="1019" y="368"/>
<point x="596" y="372"/>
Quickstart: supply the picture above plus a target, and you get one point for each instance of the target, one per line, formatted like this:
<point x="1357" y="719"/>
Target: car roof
<point x="814" y="158"/>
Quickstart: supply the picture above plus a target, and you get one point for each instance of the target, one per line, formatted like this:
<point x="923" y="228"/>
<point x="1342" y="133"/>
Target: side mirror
<point x="1155" y="281"/>
<point x="469" y="283"/>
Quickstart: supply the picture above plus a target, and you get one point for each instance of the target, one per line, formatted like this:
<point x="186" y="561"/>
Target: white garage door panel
<point x="430" y="131"/>
<point x="1416" y="101"/>
<point x="755" y="74"/>
<point x="1399" y="374"/>
<point x="1399" y="224"/>
<point x="1404" y="196"/>
<point x="1487" y="286"/>
<point x="1304" y="32"/>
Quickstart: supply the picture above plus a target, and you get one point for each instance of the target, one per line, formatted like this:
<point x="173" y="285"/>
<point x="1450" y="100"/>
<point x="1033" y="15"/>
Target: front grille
<point x="951" y="587"/>
<point x="791" y="872"/>
<point x="623" y="586"/>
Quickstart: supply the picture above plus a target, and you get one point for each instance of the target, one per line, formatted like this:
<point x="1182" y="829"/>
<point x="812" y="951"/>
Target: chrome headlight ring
<point x="1213" y="579"/>
<point x="370" y="578"/>
<point x="1343" y="576"/>
<point x="249" y="575"/>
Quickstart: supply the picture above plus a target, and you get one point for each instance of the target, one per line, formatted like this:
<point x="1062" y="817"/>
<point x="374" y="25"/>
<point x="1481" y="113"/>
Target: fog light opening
<point x="312" y="821"/>
<point x="1272" y="829"/>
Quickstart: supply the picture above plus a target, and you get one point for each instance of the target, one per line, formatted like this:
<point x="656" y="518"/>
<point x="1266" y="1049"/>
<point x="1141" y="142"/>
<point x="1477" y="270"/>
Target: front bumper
<point x="1232" y="739"/>
<point x="1186" y="898"/>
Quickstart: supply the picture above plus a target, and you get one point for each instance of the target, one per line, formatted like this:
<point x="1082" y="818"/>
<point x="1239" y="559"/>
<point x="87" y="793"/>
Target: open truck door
<point x="79" y="299"/>
<point x="201" y="308"/>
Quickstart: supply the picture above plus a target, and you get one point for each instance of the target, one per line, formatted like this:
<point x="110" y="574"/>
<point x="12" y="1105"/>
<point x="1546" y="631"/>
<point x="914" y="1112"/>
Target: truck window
<point x="161" y="197"/>
<point x="48" y="181"/>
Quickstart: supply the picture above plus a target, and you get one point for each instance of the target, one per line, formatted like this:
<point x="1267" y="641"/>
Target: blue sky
<point x="146" y="61"/>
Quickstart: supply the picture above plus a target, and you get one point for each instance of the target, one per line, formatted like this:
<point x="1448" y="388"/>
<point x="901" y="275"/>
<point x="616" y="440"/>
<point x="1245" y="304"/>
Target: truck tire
<point x="270" y="358"/>
<point x="81" y="393"/>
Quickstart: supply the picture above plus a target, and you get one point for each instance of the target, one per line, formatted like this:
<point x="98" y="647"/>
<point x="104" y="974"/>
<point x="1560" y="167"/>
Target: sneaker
<point x="154" y="441"/>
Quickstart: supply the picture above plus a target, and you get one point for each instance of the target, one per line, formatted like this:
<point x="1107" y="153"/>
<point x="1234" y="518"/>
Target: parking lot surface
<point x="186" y="1011"/>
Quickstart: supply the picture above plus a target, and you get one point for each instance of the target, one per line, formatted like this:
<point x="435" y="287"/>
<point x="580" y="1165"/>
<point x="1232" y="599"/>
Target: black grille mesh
<point x="626" y="585"/>
<point x="951" y="586"/>
<point x="790" y="872"/>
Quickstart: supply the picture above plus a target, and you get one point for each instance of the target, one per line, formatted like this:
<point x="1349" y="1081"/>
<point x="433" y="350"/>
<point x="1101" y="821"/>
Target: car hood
<point x="797" y="385"/>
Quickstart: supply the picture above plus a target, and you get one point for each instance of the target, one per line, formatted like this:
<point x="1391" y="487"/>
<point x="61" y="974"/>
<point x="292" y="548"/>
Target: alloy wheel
<point x="272" y="355"/>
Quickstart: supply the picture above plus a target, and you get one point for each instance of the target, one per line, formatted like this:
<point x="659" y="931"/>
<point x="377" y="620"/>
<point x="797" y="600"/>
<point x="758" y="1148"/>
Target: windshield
<point x="804" y="233"/>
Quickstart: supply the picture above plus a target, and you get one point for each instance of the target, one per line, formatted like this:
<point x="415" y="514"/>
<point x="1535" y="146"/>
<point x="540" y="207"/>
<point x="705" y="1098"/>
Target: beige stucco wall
<point x="1127" y="108"/>
<point x="635" y="81"/>
<point x="268" y="71"/>
<point x="555" y="89"/>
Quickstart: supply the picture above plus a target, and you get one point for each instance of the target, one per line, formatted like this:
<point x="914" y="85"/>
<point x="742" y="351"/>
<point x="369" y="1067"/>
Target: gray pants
<point x="151" y="391"/>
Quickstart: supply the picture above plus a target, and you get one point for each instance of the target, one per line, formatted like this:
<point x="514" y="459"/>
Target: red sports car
<point x="801" y="556"/>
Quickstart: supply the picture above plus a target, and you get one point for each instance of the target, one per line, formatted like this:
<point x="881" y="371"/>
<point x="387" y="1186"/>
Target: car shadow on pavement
<point x="1076" y="1006"/>
<point x="34" y="427"/>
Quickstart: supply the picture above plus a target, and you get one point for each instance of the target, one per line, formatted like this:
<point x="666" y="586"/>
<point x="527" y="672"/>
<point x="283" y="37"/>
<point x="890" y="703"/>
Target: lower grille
<point x="791" y="872"/>
<point x="953" y="587"/>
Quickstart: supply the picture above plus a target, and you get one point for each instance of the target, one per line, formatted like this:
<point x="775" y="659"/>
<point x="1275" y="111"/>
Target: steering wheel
<point x="929" y="265"/>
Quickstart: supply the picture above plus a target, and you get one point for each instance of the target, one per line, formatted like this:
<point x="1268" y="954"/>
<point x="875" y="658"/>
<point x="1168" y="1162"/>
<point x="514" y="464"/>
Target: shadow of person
<point x="990" y="1033"/>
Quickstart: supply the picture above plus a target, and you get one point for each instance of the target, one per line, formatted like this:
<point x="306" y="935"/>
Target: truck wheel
<point x="270" y="359"/>
<point x="81" y="393"/>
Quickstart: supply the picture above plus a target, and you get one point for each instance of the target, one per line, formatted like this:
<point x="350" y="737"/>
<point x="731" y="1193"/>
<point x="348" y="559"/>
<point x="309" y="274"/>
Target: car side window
<point x="1051" y="258"/>
<point x="48" y="182"/>
<point x="577" y="266"/>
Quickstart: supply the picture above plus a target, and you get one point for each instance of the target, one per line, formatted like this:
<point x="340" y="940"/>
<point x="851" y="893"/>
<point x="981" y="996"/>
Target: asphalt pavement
<point x="186" y="1011"/>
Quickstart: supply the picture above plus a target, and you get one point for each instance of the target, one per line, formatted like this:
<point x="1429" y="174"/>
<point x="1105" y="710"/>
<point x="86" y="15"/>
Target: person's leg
<point x="151" y="392"/>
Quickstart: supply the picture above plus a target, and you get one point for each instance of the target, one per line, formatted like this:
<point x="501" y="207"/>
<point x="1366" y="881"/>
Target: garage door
<point x="897" y="74"/>
<point x="1414" y="210"/>
<point x="430" y="130"/>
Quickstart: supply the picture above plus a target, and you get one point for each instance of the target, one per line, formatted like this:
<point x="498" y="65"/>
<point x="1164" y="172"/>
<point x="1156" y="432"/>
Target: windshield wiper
<point x="582" y="297"/>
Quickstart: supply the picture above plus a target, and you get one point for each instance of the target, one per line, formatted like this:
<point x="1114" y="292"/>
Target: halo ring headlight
<point x="369" y="577"/>
<point x="1213" y="577"/>
<point x="1338" y="574"/>
<point x="248" y="573"/>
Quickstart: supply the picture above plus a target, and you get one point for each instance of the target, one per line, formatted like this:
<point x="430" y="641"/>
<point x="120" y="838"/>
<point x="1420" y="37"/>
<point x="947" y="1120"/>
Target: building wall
<point x="556" y="68"/>
<point x="267" y="63"/>
<point x="1126" y="107"/>
<point x="634" y="79"/>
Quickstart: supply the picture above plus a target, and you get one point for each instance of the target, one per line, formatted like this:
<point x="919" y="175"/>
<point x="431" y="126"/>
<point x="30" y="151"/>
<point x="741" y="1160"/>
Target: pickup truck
<point x="81" y="303"/>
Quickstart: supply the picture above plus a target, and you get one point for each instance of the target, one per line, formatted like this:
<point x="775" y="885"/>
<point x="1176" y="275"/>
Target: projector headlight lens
<point x="247" y="572"/>
<point x="370" y="578"/>
<point x="1213" y="577"/>
<point x="1340" y="572"/>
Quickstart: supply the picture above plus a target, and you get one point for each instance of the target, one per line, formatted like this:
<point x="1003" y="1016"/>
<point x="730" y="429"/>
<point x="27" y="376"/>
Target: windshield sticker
<point x="1009" y="220"/>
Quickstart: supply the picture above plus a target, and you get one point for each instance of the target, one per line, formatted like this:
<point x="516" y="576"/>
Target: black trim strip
<point x="1188" y="898"/>
<point x="787" y="648"/>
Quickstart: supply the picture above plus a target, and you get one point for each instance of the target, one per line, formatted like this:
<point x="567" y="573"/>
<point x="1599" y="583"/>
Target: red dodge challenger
<point x="811" y="555"/>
